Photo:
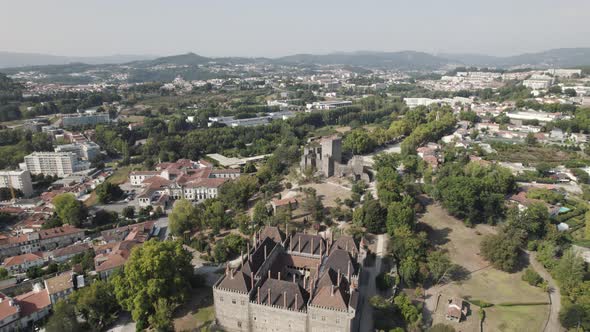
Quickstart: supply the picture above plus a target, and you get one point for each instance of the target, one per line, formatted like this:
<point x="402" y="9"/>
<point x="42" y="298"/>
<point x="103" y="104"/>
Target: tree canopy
<point x="155" y="271"/>
<point x="69" y="209"/>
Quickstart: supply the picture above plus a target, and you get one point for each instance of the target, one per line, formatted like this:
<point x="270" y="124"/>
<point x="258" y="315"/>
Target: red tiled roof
<point x="20" y="259"/>
<point x="284" y="201"/>
<point x="33" y="301"/>
<point x="117" y="258"/>
<point x="7" y="308"/>
<point x="59" y="231"/>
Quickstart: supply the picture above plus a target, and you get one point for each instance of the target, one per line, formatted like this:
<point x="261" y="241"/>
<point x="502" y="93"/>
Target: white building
<point x="564" y="72"/>
<point x="327" y="105"/>
<point x="54" y="163"/>
<point x="543" y="117"/>
<point x="84" y="119"/>
<point x="415" y="102"/>
<point x="20" y="180"/>
<point x="538" y="82"/>
<point x="85" y="150"/>
<point x="137" y="177"/>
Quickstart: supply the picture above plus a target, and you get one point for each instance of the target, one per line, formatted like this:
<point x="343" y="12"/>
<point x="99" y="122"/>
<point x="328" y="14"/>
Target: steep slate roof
<point x="340" y="260"/>
<point x="345" y="243"/>
<point x="282" y="291"/>
<point x="330" y="277"/>
<point x="257" y="257"/>
<point x="330" y="297"/>
<point x="236" y="281"/>
<point x="307" y="240"/>
<point x="272" y="232"/>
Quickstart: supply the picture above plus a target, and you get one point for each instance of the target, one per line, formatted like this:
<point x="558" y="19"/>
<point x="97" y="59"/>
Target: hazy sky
<point x="278" y="27"/>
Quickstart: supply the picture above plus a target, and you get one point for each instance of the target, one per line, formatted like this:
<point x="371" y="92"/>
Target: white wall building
<point x="54" y="163"/>
<point x="84" y="119"/>
<point x="84" y="150"/>
<point x="538" y="82"/>
<point x="20" y="180"/>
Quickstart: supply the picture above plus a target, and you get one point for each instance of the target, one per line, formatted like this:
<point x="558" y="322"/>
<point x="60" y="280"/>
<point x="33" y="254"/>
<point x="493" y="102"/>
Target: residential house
<point x="61" y="255"/>
<point x="21" y="263"/>
<point x="60" y="286"/>
<point x="59" y="237"/>
<point x="456" y="310"/>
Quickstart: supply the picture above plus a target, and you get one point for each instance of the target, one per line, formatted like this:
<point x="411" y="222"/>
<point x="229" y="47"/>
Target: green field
<point x="517" y="318"/>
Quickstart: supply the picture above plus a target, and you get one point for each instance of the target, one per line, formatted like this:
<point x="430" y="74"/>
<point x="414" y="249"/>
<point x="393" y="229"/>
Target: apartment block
<point x="54" y="163"/>
<point x="20" y="180"/>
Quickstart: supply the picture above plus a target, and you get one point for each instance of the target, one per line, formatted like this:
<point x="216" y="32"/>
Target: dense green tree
<point x="400" y="213"/>
<point x="502" y="250"/>
<point x="409" y="311"/>
<point x="161" y="320"/>
<point x="128" y="212"/>
<point x="4" y="273"/>
<point x="438" y="264"/>
<point x="182" y="218"/>
<point x="97" y="303"/>
<point x="572" y="316"/>
<point x="409" y="269"/>
<point x="155" y="271"/>
<point x="534" y="220"/>
<point x="474" y="192"/>
<point x="63" y="318"/>
<point x="104" y="217"/>
<point x="107" y="192"/>
<point x="313" y="205"/>
<point x="570" y="92"/>
<point x="569" y="271"/>
<point x="237" y="193"/>
<point x="372" y="216"/>
<point x="359" y="141"/>
<point x="69" y="209"/>
<point x="261" y="213"/>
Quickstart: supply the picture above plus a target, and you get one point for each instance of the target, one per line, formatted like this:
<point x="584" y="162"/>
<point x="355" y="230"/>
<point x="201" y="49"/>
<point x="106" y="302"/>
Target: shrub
<point x="532" y="277"/>
<point x="481" y="304"/>
<point x="384" y="281"/>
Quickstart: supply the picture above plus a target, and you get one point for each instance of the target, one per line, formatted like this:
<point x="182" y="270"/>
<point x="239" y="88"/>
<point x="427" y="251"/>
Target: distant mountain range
<point x="561" y="57"/>
<point x="404" y="60"/>
<point x="14" y="59"/>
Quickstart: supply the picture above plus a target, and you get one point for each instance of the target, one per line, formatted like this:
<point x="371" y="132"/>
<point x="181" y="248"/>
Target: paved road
<point x="369" y="289"/>
<point x="554" y="294"/>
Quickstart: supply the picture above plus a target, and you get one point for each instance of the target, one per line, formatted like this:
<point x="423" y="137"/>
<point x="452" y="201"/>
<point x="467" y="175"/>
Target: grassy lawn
<point x="451" y="234"/>
<point x="518" y="318"/>
<point x="508" y="287"/>
<point x="534" y="154"/>
<point x="92" y="200"/>
<point x="205" y="315"/>
<point x="485" y="283"/>
<point x="121" y="175"/>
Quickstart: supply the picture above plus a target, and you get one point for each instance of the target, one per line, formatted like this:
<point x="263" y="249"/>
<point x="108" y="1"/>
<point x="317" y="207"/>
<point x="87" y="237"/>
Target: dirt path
<point x="554" y="295"/>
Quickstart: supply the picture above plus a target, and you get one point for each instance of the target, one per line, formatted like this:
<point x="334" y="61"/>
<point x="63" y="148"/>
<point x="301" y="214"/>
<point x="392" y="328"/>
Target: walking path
<point x="370" y="289"/>
<point x="554" y="295"/>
